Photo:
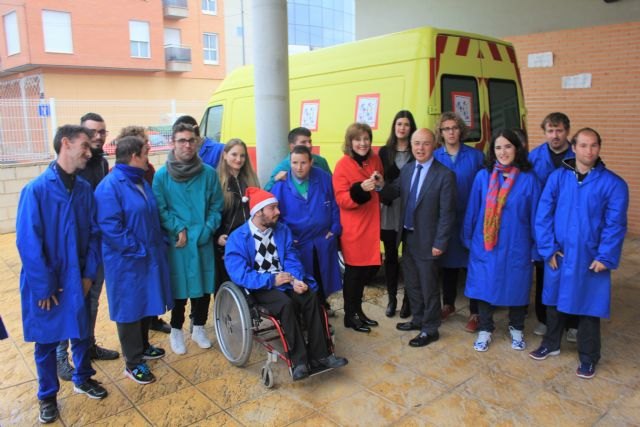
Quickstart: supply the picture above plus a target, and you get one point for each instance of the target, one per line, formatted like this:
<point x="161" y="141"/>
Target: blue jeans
<point x="45" y="357"/>
<point x="62" y="351"/>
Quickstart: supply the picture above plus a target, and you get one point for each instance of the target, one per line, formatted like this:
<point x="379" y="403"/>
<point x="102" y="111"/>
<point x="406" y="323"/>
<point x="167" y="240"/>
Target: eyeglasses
<point x="185" y="141"/>
<point x="102" y="132"/>
<point x="451" y="129"/>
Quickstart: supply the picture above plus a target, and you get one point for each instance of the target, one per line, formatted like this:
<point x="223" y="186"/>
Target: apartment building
<point x="116" y="49"/>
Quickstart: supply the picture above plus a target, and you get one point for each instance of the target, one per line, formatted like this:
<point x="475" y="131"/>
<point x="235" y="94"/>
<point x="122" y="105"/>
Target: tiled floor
<point x="385" y="383"/>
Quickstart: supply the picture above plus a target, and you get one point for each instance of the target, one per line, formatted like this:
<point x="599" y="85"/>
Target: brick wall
<point x="612" y="55"/>
<point x="14" y="177"/>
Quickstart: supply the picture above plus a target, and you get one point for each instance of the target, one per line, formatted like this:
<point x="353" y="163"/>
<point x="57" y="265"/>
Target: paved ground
<point x="385" y="383"/>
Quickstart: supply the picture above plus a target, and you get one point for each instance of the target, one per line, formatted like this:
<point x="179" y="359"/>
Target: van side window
<point x="503" y="104"/>
<point x="465" y="90"/>
<point x="213" y="122"/>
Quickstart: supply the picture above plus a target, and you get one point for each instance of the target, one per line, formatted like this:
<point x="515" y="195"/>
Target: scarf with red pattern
<point x="496" y="198"/>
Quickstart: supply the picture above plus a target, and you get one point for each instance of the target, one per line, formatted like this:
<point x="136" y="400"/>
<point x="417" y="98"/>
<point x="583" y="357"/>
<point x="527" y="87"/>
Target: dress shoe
<point x="391" y="307"/>
<point x="300" y="372"/>
<point x="424" y="339"/>
<point x="331" y="361"/>
<point x="157" y="324"/>
<point x="405" y="311"/>
<point x="355" y="323"/>
<point x="369" y="322"/>
<point x="407" y="326"/>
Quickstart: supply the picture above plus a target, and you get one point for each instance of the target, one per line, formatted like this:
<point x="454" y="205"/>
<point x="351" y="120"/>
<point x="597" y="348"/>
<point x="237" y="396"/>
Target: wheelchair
<point x="239" y="322"/>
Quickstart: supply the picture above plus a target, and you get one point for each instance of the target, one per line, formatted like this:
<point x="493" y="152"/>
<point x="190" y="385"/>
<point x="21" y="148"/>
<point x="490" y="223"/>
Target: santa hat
<point x="258" y="199"/>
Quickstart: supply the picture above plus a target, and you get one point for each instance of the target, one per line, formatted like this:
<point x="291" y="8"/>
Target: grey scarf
<point x="181" y="171"/>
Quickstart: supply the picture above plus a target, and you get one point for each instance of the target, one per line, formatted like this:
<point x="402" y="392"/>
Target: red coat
<point x="360" y="240"/>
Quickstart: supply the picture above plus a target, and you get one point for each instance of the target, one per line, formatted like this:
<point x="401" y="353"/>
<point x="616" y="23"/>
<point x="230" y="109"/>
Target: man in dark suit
<point x="428" y="194"/>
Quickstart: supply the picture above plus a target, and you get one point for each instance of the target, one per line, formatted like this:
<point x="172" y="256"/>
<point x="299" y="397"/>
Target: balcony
<point x="175" y="9"/>
<point x="177" y="58"/>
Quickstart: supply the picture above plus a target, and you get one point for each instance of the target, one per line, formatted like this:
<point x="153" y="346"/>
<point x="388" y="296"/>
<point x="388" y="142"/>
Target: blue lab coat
<point x="133" y="249"/>
<point x="540" y="159"/>
<point x="468" y="163"/>
<point x="585" y="222"/>
<point x="240" y="254"/>
<point x="310" y="220"/>
<point x="503" y="275"/>
<point x="59" y="245"/>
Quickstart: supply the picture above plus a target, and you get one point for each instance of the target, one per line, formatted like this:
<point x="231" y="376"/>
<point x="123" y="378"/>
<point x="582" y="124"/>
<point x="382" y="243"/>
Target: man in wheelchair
<point x="260" y="256"/>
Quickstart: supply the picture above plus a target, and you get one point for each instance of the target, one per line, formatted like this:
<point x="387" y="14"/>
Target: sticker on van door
<point x="462" y="103"/>
<point x="309" y="111"/>
<point x="367" y="109"/>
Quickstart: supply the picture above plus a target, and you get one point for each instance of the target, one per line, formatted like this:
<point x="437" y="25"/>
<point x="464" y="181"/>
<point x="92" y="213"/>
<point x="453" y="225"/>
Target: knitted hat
<point x="258" y="199"/>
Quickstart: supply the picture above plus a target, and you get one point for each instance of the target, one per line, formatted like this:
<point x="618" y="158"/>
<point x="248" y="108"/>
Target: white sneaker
<point x="541" y="329"/>
<point x="482" y="343"/>
<point x="199" y="335"/>
<point x="572" y="335"/>
<point x="176" y="338"/>
<point x="517" y="339"/>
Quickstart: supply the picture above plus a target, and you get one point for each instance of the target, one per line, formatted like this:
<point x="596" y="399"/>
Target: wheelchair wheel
<point x="267" y="376"/>
<point x="233" y="325"/>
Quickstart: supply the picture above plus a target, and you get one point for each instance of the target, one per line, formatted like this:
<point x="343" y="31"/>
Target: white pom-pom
<point x="245" y="199"/>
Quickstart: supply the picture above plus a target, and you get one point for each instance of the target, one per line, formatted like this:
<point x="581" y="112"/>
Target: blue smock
<point x="503" y="275"/>
<point x="310" y="220"/>
<point x="585" y="221"/>
<point x="240" y="254"/>
<point x="59" y="244"/>
<point x="468" y="162"/>
<point x="133" y="249"/>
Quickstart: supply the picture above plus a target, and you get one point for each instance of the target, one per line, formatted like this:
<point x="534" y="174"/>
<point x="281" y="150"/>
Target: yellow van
<point x="425" y="70"/>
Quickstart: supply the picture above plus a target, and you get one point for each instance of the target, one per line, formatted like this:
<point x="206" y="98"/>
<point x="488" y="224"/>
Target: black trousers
<point x="571" y="321"/>
<point x="517" y="315"/>
<point x="450" y="289"/>
<point x="421" y="283"/>
<point x="199" y="311"/>
<point x="287" y="306"/>
<point x="355" y="279"/>
<point x="588" y="334"/>
<point x="391" y="264"/>
<point x="317" y="274"/>
<point x="134" y="340"/>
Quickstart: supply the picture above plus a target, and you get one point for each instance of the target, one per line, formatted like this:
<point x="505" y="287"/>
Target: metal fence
<point x="27" y="126"/>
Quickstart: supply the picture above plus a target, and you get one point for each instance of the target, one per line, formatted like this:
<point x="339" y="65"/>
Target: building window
<point x="11" y="33"/>
<point x="56" y="27"/>
<point x="210" y="7"/>
<point x="139" y="39"/>
<point x="210" y="48"/>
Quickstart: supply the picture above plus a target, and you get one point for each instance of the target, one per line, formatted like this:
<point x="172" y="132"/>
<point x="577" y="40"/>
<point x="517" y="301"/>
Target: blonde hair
<point x="450" y="115"/>
<point x="246" y="172"/>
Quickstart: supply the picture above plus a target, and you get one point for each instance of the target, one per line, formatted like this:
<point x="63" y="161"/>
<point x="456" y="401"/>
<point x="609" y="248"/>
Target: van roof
<point x="389" y="48"/>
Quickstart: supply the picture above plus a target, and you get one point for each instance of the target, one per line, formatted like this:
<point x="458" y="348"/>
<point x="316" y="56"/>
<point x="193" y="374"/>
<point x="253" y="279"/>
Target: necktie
<point x="411" y="202"/>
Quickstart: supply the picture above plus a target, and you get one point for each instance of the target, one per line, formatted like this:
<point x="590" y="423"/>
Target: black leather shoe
<point x="331" y="361"/>
<point x="407" y="326"/>
<point x="424" y="339"/>
<point x="405" y="311"/>
<point x="157" y="324"/>
<point x="356" y="324"/>
<point x="300" y="372"/>
<point x="369" y="322"/>
<point x="391" y="307"/>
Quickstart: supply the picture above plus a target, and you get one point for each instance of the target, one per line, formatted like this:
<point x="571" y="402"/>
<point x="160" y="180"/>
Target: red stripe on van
<point x="514" y="61"/>
<point x="463" y="46"/>
<point x="441" y="43"/>
<point x="495" y="53"/>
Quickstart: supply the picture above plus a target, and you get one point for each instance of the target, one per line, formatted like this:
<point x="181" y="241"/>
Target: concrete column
<point x="271" y="76"/>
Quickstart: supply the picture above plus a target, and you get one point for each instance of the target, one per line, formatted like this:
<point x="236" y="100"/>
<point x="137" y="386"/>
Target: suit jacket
<point x="435" y="212"/>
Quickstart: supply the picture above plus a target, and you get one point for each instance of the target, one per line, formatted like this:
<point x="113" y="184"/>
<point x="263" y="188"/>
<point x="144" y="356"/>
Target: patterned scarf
<point x="496" y="198"/>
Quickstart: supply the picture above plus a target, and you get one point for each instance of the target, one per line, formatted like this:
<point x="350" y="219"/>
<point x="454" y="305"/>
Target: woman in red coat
<point x="356" y="181"/>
